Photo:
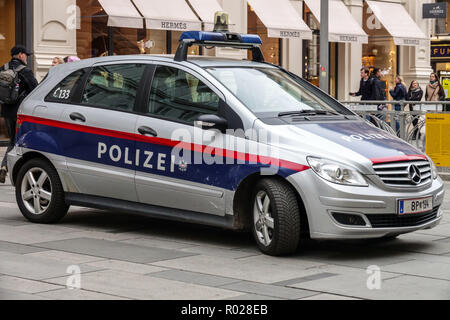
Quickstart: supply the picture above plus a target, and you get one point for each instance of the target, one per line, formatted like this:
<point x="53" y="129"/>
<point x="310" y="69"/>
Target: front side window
<point x="65" y="90"/>
<point x="179" y="96"/>
<point x="113" y="86"/>
<point x="269" y="91"/>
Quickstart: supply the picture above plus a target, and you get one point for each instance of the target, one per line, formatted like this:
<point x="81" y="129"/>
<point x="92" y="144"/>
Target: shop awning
<point x="122" y="13"/>
<point x="206" y="10"/>
<point x="168" y="15"/>
<point x="399" y="24"/>
<point x="281" y="19"/>
<point x="343" y="27"/>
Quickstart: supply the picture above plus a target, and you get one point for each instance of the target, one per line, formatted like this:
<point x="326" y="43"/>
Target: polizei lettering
<point x="367" y="136"/>
<point x="155" y="161"/>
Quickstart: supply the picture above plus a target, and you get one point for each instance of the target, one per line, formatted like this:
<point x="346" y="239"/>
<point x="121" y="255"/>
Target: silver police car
<point x="229" y="143"/>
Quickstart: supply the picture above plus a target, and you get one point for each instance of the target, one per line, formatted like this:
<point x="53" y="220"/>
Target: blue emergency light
<point x="219" y="39"/>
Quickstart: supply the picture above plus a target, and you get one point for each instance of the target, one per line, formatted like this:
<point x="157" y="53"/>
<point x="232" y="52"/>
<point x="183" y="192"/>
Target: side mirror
<point x="211" y="121"/>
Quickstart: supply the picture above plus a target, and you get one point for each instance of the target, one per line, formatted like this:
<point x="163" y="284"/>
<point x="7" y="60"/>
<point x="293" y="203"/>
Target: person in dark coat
<point x="415" y="93"/>
<point x="398" y="93"/>
<point x="365" y="86"/>
<point x="27" y="84"/>
<point x="378" y="87"/>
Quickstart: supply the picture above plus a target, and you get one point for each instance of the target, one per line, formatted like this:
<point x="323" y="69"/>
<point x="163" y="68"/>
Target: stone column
<point x="415" y="62"/>
<point x="54" y="32"/>
<point x="293" y="48"/>
<point x="350" y="57"/>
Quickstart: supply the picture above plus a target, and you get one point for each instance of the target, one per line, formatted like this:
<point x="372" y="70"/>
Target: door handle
<point x="147" y="131"/>
<point x="77" y="117"/>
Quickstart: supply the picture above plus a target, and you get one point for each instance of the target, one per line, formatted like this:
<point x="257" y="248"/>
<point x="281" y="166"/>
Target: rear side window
<point x="113" y="86"/>
<point x="66" y="90"/>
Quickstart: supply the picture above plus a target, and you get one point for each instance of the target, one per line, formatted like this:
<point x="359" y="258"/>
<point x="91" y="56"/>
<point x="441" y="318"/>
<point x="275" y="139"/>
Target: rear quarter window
<point x="65" y="91"/>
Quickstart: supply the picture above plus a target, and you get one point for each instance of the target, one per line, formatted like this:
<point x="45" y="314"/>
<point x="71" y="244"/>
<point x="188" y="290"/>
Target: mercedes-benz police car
<point x="229" y="143"/>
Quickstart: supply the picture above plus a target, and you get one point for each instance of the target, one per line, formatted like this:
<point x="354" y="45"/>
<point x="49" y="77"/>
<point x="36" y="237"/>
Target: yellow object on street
<point x="438" y="138"/>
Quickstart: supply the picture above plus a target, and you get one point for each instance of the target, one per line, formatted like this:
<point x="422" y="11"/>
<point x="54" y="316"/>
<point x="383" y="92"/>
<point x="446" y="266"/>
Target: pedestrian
<point x="378" y="87"/>
<point x="398" y="92"/>
<point x="365" y="86"/>
<point x="57" y="60"/>
<point x="26" y="83"/>
<point x="71" y="59"/>
<point x="434" y="90"/>
<point x="378" y="93"/>
<point x="415" y="93"/>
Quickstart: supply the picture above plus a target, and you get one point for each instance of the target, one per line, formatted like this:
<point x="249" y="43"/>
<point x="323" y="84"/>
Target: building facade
<point x="91" y="28"/>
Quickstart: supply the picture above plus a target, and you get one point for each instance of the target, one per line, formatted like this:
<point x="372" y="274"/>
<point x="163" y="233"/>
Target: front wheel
<point x="39" y="192"/>
<point x="276" y="217"/>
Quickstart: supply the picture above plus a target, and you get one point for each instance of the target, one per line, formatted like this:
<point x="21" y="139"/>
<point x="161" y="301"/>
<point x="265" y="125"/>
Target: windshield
<point x="272" y="92"/>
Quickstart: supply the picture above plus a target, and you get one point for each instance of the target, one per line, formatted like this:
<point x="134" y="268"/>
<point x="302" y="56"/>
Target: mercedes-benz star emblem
<point x="414" y="174"/>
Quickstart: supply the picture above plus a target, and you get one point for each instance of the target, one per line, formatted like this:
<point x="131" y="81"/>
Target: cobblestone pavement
<point x="122" y="256"/>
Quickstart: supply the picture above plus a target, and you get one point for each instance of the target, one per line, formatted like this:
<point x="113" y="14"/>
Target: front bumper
<point x="372" y="203"/>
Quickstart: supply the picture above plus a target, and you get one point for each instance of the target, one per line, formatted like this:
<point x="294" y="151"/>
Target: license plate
<point x="412" y="206"/>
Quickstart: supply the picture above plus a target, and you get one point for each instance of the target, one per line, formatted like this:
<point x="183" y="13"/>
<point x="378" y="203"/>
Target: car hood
<point x="363" y="138"/>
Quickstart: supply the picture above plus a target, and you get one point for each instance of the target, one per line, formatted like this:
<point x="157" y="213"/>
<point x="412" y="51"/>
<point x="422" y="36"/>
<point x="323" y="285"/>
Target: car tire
<point x="39" y="192"/>
<point x="275" y="217"/>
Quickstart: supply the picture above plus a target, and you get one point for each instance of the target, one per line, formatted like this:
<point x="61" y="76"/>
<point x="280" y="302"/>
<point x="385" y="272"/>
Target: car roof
<point x="201" y="61"/>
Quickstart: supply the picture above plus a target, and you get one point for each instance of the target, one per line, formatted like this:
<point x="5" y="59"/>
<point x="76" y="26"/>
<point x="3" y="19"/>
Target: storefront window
<point x="93" y="36"/>
<point x="270" y="46"/>
<point x="443" y="25"/>
<point x="381" y="51"/>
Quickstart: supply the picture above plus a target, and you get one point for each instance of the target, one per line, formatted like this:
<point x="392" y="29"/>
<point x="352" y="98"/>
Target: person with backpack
<point x="16" y="82"/>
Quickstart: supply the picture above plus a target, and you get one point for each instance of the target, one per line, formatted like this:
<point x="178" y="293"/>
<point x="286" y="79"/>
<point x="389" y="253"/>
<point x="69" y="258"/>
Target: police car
<point x="228" y="143"/>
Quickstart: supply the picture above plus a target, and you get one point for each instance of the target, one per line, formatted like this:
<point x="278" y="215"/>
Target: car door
<point x="163" y="175"/>
<point x="99" y="142"/>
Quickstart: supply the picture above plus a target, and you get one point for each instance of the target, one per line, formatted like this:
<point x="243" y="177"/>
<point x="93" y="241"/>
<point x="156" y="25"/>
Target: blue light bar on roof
<point x="220" y="37"/>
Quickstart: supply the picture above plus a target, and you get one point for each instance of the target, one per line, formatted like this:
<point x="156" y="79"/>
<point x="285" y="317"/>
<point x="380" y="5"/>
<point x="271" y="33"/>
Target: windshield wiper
<point x="305" y="112"/>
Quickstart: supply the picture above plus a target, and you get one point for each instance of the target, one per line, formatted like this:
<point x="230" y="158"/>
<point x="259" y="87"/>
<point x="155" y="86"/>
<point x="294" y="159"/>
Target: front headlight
<point x="337" y="172"/>
<point x="434" y="170"/>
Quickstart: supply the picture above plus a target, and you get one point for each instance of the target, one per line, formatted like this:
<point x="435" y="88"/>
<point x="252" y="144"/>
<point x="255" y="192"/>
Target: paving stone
<point x="66" y="257"/>
<point x="244" y="269"/>
<point x="157" y="243"/>
<point x="126" y="266"/>
<point x="33" y="233"/>
<point x="219" y="252"/>
<point x="253" y="297"/>
<point x="114" y="250"/>
<point x="35" y="268"/>
<point x="268" y="290"/>
<point x="18" y="248"/>
<point x="326" y="296"/>
<point x="15" y="295"/>
<point x="392" y="288"/>
<point x="74" y="294"/>
<point x="25" y="285"/>
<point x="421" y="268"/>
<point x="134" y="286"/>
<point x="306" y="278"/>
<point x="194" y="277"/>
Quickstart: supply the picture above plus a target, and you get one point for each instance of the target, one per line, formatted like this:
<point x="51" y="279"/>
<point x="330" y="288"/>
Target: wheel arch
<point x="24" y="159"/>
<point x="242" y="205"/>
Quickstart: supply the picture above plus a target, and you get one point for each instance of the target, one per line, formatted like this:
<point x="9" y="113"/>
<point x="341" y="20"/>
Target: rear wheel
<point x="276" y="217"/>
<point x="39" y="192"/>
